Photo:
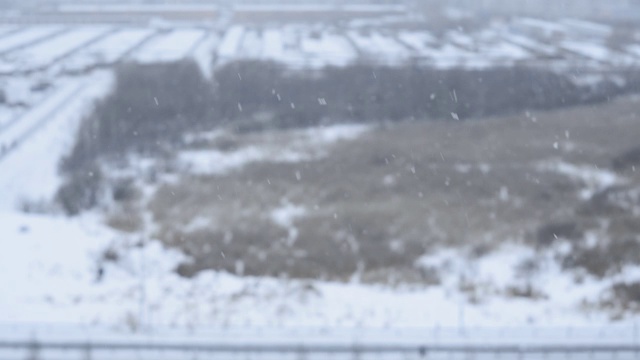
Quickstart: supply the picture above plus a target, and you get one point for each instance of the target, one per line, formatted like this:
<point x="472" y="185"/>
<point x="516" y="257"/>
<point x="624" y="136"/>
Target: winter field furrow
<point x="34" y="145"/>
<point x="380" y="47"/>
<point x="231" y="42"/>
<point x="7" y="29"/>
<point x="21" y="128"/>
<point x="419" y="42"/>
<point x="327" y="49"/>
<point x="204" y="53"/>
<point x="107" y="51"/>
<point x="590" y="51"/>
<point x="7" y="114"/>
<point x="253" y="45"/>
<point x="26" y="36"/>
<point x="530" y="44"/>
<point x="48" y="52"/>
<point x="523" y="40"/>
<point x="173" y="46"/>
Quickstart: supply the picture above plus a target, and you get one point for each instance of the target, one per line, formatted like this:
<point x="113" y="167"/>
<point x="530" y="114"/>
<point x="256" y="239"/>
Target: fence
<point x="528" y="342"/>
<point x="34" y="350"/>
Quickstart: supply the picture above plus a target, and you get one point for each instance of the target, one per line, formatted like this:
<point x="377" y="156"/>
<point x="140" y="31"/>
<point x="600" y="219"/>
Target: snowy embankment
<point x="34" y="144"/>
<point x="57" y="292"/>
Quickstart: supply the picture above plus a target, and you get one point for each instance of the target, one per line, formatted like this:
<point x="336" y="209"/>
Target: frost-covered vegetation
<point x="288" y="171"/>
<point x="252" y="173"/>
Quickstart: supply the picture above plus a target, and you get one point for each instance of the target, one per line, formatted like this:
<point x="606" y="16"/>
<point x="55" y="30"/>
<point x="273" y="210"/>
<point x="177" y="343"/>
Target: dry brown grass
<point x="376" y="204"/>
<point x="126" y="219"/>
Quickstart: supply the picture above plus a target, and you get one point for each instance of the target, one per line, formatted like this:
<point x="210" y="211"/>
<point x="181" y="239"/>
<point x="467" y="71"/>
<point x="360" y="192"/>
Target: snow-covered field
<point x="380" y="47"/>
<point x="62" y="283"/>
<point x="24" y="37"/>
<point x="327" y="48"/>
<point x="519" y="40"/>
<point x="50" y="51"/>
<point x="176" y="45"/>
<point x="33" y="145"/>
<point x="107" y="51"/>
<point x="53" y="268"/>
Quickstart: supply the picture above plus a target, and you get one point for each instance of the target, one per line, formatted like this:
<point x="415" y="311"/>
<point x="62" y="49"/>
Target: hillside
<point x="320" y="175"/>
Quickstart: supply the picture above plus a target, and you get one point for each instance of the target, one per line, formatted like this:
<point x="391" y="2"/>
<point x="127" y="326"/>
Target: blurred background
<point x="331" y="180"/>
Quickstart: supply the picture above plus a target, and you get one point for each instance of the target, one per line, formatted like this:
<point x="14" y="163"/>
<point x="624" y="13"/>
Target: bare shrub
<point x="526" y="291"/>
<point x="551" y="232"/>
<point x="627" y="160"/>
<point x="150" y="106"/>
<point x="526" y="270"/>
<point x="371" y="93"/>
<point x="627" y="295"/>
<point x="624" y="226"/>
<point x="125" y="190"/>
<point x="125" y="219"/>
<point x="253" y="245"/>
<point x="39" y="206"/>
<point x="80" y="191"/>
<point x="622" y="298"/>
<point x="398" y="276"/>
<point x="613" y="201"/>
<point x="605" y="259"/>
<point x="110" y="255"/>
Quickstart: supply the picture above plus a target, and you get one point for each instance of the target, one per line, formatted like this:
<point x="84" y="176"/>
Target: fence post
<point x="34" y="350"/>
<point x="356" y="352"/>
<point x="422" y="351"/>
<point x="87" y="351"/>
<point x="302" y="353"/>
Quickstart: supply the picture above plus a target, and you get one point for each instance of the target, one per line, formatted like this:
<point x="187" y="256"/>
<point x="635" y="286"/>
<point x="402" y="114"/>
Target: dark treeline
<point x="152" y="106"/>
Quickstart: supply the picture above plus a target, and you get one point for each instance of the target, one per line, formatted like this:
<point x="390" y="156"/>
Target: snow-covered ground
<point x="107" y="51"/>
<point x="204" y="53"/>
<point x="56" y="272"/>
<point x="60" y="274"/>
<point x="26" y="36"/>
<point x="565" y="43"/>
<point x="295" y="146"/>
<point x="35" y="143"/>
<point x="46" y="53"/>
<point x="54" y="264"/>
<point x="7" y="29"/>
<point x="252" y="45"/>
<point x="176" y="45"/>
<point x="327" y="48"/>
<point x="231" y="42"/>
<point x="593" y="179"/>
<point x="379" y="47"/>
